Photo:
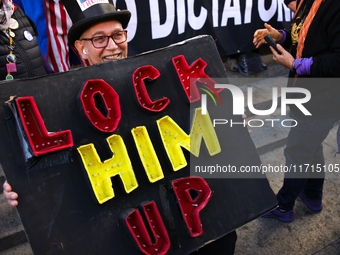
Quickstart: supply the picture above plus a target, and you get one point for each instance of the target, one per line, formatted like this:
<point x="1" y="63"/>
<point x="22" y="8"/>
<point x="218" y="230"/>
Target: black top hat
<point x="86" y="13"/>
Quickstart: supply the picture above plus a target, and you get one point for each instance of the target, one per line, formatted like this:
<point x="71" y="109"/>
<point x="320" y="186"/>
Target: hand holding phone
<point x="271" y="42"/>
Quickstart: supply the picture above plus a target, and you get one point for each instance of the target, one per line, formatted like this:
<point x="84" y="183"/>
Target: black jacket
<point x="323" y="44"/>
<point x="29" y="59"/>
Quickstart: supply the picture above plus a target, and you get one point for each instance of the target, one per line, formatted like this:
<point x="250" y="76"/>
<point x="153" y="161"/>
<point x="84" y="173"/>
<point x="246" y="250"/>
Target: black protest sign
<point x="157" y="23"/>
<point x="99" y="179"/>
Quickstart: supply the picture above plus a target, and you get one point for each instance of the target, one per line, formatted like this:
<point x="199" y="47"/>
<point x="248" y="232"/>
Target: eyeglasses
<point x="103" y="40"/>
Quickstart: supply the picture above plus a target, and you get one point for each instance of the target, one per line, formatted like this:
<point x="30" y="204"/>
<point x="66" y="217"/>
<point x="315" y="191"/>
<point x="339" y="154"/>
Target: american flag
<point x="58" y="23"/>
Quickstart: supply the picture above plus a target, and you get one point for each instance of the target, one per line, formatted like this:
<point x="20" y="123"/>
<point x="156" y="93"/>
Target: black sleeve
<point x="328" y="64"/>
<point x="288" y="42"/>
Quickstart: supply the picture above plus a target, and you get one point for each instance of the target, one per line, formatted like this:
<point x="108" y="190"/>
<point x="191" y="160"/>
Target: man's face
<point x="112" y="51"/>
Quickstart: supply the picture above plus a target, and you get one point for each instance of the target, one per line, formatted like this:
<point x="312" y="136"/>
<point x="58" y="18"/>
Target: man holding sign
<point x="98" y="35"/>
